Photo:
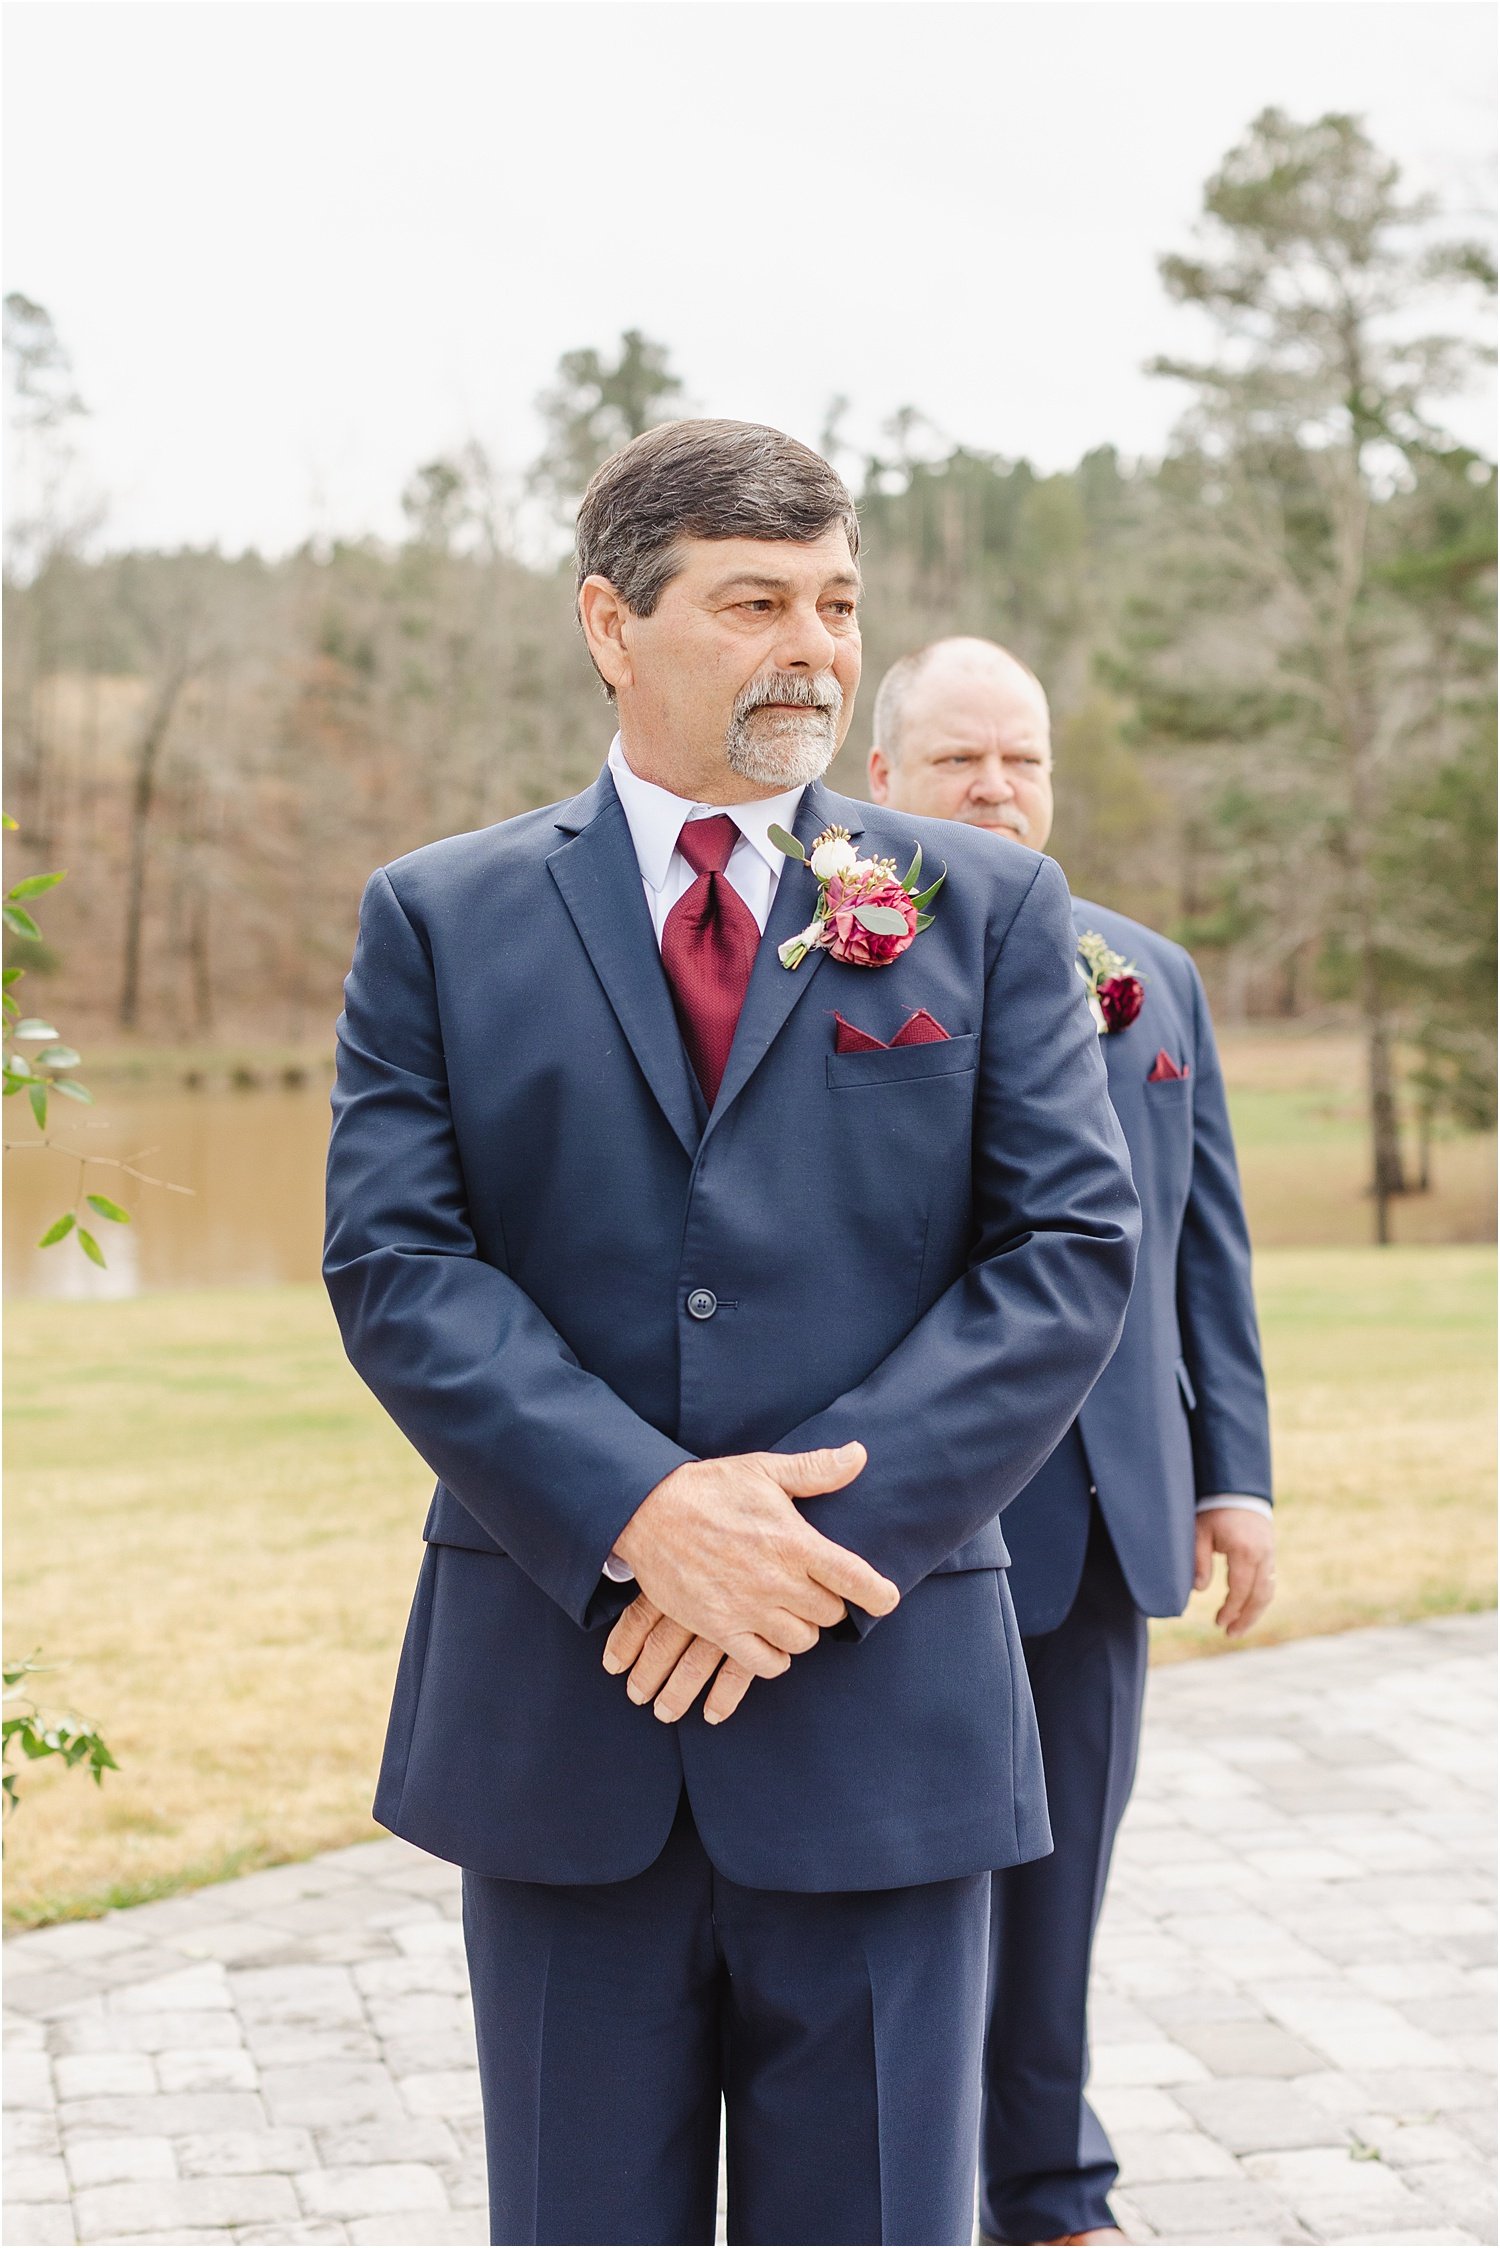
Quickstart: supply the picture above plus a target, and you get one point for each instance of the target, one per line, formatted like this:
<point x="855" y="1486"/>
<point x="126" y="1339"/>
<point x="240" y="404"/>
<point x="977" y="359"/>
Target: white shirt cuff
<point x="1236" y="1498"/>
<point x="619" y="1572"/>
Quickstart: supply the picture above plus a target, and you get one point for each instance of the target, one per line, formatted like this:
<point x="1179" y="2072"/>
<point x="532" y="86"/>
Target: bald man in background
<point x="1167" y="1464"/>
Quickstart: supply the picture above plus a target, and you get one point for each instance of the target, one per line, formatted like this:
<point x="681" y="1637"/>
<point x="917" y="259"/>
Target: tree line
<point x="1270" y="655"/>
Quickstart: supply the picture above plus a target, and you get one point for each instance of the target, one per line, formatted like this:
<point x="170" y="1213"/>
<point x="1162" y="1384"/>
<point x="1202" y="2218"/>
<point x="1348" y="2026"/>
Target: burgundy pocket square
<point x="1164" y="1069"/>
<point x="920" y="1029"/>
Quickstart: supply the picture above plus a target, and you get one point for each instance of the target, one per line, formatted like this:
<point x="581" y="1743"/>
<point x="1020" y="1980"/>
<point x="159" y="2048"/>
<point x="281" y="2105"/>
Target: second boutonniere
<point x="1115" y="990"/>
<point x="866" y="915"/>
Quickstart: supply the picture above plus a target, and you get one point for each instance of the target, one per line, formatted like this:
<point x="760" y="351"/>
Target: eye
<point x="759" y="608"/>
<point x="842" y="608"/>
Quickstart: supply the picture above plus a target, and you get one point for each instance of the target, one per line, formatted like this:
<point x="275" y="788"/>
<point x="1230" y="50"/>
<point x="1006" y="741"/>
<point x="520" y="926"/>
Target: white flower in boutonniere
<point x="1115" y="990"/>
<point x="865" y="915"/>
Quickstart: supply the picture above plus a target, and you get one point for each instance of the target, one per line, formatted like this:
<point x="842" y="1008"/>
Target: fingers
<point x="665" y="1643"/>
<point x="727" y="1692"/>
<point x="792" y="1634"/>
<point x="851" y="1577"/>
<point x="693" y="1671"/>
<point x="1252" y="1585"/>
<point x="1203" y="1555"/>
<point x="806" y="1475"/>
<point x="757" y="1655"/>
<point x="630" y="1634"/>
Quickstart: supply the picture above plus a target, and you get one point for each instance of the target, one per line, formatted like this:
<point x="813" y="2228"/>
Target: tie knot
<point x="707" y="844"/>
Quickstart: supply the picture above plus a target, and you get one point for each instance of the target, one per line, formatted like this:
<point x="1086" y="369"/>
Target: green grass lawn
<point x="215" y="1531"/>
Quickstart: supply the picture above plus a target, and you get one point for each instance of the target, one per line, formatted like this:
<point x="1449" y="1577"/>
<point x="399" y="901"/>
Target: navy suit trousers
<point x="842" y="2032"/>
<point x="1046" y="2165"/>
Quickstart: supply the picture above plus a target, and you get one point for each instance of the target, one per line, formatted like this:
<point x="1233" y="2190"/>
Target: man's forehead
<point x="977" y="703"/>
<point x="720" y="563"/>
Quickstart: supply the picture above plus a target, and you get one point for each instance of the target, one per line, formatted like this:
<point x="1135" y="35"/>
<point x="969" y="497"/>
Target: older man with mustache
<point x="729" y="1301"/>
<point x="1167" y="1464"/>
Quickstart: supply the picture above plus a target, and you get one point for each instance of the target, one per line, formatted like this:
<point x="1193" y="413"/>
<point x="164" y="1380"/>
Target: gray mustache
<point x="823" y="693"/>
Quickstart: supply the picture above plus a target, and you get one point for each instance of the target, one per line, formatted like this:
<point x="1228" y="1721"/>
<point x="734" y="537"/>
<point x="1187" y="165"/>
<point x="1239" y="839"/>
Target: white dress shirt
<point x="657" y="818"/>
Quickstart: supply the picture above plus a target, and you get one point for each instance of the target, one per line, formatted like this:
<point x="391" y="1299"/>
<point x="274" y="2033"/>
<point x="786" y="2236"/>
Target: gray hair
<point x="894" y="691"/>
<point x="701" y="480"/>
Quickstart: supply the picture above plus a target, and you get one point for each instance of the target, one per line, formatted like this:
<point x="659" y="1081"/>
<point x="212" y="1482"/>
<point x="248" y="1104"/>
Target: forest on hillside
<point x="1270" y="655"/>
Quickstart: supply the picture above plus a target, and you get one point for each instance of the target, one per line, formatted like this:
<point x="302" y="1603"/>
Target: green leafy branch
<point x="31" y="1734"/>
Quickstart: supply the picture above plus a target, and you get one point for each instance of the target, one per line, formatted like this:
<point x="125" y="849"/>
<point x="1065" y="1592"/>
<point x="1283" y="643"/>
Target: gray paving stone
<point x="84" y="2076"/>
<point x="453" y="2228"/>
<point x="37" y="2180"/>
<point x="370" y="2189"/>
<point x="165" y="2114"/>
<point x="330" y="2094"/>
<point x="426" y="2140"/>
<point x="1332" y="2190"/>
<point x="39" y="1995"/>
<point x="113" y="2162"/>
<point x="1256" y="2115"/>
<point x="1247" y="2048"/>
<point x="104" y="2212"/>
<point x="231" y="2154"/>
<point x="145" y="2033"/>
<point x="1209" y="2212"/>
<point x="310" y="2229"/>
<point x="31" y="2132"/>
<point x="207" y="2069"/>
<point x="189" y="1990"/>
<point x="36" y="2224"/>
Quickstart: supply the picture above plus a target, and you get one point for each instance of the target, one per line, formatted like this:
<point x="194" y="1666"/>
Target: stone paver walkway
<point x="1292" y="2032"/>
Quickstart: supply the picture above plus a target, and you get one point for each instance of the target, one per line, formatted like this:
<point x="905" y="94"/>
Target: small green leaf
<point x="926" y="897"/>
<point x="34" y="1027"/>
<point x="73" y="1089"/>
<point x="104" y="1208"/>
<point x="37" y="1095"/>
<point x="59" y="1057"/>
<point x="19" y="920"/>
<point x="90" y="1246"/>
<point x="910" y="876"/>
<point x="59" y="1230"/>
<point x="786" y="844"/>
<point x="34" y="885"/>
<point x="924" y="921"/>
<point x="881" y="920"/>
<point x="18" y="1067"/>
<point x="10" y="976"/>
<point x="7" y="821"/>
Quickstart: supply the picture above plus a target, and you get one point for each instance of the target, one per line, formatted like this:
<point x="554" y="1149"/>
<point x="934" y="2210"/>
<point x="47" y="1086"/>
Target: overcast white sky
<point x="297" y="246"/>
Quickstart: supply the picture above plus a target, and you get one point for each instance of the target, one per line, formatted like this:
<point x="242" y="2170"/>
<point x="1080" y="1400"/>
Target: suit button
<point x="703" y="1303"/>
<point x="1093" y="1490"/>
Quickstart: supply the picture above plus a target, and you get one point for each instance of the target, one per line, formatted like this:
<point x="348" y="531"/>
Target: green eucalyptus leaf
<point x="925" y="899"/>
<point x="34" y="1027"/>
<point x="59" y="1057"/>
<point x="924" y="921"/>
<point x="59" y="1230"/>
<point x="910" y="876"/>
<point x="90" y="1246"/>
<point x="16" y="918"/>
<point x="37" y="1095"/>
<point x="786" y="844"/>
<point x="881" y="920"/>
<point x="34" y="885"/>
<point x="102" y="1206"/>
<point x="73" y="1089"/>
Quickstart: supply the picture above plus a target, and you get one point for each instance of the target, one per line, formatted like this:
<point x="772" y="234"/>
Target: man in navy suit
<point x="1167" y="1464"/>
<point x="729" y="1302"/>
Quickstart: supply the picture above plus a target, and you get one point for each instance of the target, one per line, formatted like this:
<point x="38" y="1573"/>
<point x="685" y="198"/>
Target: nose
<point x="805" y="642"/>
<point x="992" y="784"/>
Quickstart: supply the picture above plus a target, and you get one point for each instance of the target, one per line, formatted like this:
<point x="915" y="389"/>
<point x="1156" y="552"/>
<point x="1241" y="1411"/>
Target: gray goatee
<point x="784" y="748"/>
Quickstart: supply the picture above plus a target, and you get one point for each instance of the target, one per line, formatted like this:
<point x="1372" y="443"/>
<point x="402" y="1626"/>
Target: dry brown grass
<point x="215" y="1528"/>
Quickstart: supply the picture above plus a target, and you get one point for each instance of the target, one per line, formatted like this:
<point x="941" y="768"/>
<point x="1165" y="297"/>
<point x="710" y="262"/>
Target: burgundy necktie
<point x="708" y="945"/>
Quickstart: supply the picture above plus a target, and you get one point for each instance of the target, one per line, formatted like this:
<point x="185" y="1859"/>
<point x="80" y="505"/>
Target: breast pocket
<point x="904" y="1065"/>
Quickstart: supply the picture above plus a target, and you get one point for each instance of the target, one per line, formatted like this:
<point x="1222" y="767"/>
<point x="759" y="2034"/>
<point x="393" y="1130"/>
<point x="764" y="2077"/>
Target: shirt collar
<point x="657" y="818"/>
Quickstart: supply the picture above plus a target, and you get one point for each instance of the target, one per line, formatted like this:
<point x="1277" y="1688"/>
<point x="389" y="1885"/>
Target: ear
<point x="880" y="775"/>
<point x="605" y="619"/>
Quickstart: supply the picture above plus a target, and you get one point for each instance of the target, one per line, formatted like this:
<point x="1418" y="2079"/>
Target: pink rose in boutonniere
<point x="1115" y="990"/>
<point x="866" y="915"/>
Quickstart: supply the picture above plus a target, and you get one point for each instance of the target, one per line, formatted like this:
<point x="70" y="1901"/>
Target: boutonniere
<point x="865" y="915"/>
<point x="1115" y="990"/>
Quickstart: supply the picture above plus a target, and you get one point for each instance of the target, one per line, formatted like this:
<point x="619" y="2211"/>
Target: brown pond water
<point x="253" y="1162"/>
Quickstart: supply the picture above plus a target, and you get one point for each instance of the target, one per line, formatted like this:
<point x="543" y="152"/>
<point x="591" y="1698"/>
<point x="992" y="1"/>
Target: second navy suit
<point x="1102" y="1538"/>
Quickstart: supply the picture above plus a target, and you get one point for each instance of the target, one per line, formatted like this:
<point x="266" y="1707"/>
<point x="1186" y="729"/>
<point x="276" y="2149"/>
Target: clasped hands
<point x="734" y="1580"/>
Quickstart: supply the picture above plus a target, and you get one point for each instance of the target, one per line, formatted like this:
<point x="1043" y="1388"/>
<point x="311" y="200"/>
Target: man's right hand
<point x="720" y="1547"/>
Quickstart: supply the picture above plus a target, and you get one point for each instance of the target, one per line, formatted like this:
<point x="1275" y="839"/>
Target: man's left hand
<point x="1247" y="1540"/>
<point x="669" y="1667"/>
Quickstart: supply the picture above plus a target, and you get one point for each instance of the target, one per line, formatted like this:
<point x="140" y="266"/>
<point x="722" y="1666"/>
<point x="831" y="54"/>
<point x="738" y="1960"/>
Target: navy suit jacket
<point x="1179" y="1413"/>
<point x="929" y="1248"/>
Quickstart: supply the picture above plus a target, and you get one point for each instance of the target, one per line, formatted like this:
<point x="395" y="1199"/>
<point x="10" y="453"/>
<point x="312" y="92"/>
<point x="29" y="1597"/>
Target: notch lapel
<point x="773" y="990"/>
<point x="600" y="879"/>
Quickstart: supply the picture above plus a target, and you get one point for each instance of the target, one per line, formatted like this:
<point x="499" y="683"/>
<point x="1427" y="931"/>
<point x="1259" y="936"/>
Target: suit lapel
<point x="600" y="880"/>
<point x="774" y="991"/>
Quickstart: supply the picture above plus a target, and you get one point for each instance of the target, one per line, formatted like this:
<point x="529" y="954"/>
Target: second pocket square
<point x="1163" y="1069"/>
<point x="920" y="1029"/>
